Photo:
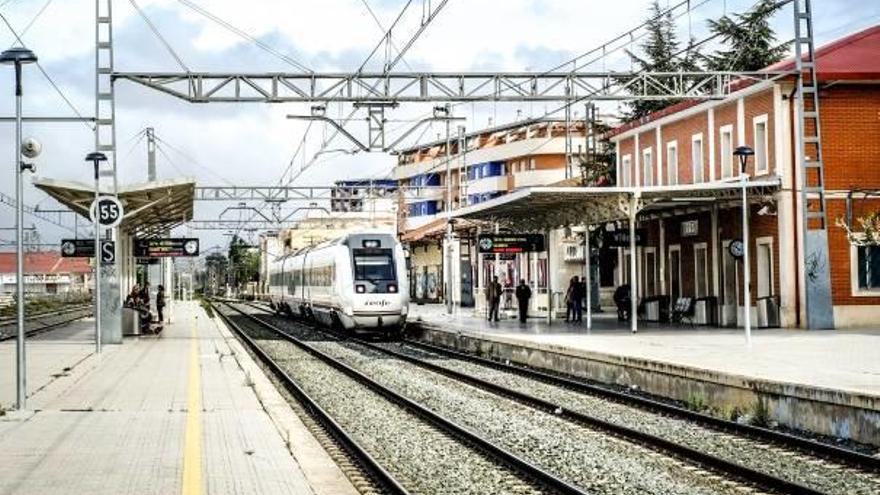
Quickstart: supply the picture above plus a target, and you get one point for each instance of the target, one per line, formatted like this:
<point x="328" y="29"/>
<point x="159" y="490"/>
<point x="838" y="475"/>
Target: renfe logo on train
<point x="381" y="303"/>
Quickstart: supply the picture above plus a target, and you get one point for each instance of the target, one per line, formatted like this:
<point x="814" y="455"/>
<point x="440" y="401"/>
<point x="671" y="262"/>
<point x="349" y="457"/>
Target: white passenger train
<point x="357" y="282"/>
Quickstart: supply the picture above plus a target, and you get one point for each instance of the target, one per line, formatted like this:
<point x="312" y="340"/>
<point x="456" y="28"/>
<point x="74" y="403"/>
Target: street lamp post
<point x="743" y="153"/>
<point x="17" y="57"/>
<point x="96" y="158"/>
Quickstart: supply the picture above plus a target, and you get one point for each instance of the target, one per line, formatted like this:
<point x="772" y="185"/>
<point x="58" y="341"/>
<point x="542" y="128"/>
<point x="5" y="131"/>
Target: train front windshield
<point x="373" y="265"/>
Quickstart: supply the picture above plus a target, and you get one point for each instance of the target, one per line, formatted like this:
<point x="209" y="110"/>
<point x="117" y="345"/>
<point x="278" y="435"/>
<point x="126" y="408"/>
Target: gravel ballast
<point x="592" y="460"/>
<point x="807" y="470"/>
<point x="417" y="454"/>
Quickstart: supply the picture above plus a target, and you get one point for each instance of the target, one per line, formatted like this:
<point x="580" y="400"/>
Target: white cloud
<point x="252" y="144"/>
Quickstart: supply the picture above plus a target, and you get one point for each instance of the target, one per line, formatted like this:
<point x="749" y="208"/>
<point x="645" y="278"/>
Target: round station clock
<point x="736" y="248"/>
<point x="191" y="247"/>
<point x="68" y="248"/>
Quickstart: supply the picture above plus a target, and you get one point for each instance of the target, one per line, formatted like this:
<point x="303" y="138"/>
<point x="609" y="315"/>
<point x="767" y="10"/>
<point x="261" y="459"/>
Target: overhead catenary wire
<point x="265" y="47"/>
<point x="382" y="28"/>
<point x="562" y="107"/>
<point x="158" y="35"/>
<point x="36" y="16"/>
<point x="48" y="77"/>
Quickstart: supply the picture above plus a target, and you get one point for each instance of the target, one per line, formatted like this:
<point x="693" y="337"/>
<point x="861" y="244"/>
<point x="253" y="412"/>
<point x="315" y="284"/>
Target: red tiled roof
<point x="855" y="57"/>
<point x="45" y="262"/>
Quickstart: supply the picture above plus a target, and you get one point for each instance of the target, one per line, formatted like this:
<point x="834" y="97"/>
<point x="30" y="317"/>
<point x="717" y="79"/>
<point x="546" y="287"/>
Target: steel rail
<point x="45" y="328"/>
<point x="766" y="435"/>
<point x="351" y="446"/>
<point x="654" y="442"/>
<point x="456" y="431"/>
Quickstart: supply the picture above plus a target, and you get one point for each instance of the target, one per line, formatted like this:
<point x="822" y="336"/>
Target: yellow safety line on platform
<point x="192" y="448"/>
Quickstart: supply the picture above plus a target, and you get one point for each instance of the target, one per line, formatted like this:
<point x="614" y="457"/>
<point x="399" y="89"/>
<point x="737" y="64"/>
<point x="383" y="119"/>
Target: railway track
<point x="757" y="456"/>
<point x="403" y="446"/>
<point x="43" y="322"/>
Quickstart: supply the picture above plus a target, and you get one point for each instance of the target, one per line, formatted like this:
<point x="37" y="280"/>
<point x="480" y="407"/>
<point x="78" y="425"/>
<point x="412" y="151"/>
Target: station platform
<point x="186" y="411"/>
<point x="826" y="382"/>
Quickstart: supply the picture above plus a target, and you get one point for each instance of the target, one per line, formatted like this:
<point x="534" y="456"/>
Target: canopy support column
<point x="549" y="279"/>
<point x="631" y="204"/>
<point x="588" y="278"/>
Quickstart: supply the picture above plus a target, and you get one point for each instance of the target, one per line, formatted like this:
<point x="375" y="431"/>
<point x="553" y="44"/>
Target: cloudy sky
<point x="254" y="144"/>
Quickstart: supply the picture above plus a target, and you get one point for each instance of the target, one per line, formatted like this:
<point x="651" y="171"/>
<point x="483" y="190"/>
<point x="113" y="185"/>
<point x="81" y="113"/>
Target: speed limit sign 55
<point x="107" y="210"/>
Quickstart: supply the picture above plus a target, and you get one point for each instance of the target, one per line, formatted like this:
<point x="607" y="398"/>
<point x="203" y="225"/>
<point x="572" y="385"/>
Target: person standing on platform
<point x="576" y="296"/>
<point x="523" y="294"/>
<point x="160" y="304"/>
<point x="493" y="297"/>
<point x="145" y="296"/>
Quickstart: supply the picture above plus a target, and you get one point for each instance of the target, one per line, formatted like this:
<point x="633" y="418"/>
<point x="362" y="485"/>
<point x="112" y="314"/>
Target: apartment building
<point x="479" y="167"/>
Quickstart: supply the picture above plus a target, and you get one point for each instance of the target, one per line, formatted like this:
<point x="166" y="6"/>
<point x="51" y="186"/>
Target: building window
<point x="648" y="167"/>
<point x="701" y="270"/>
<point x="866" y="270"/>
<point x="726" y="137"/>
<point x="625" y="170"/>
<point x="674" y="272"/>
<point x="672" y="163"/>
<point x="649" y="269"/>
<point x="765" y="266"/>
<point x="697" y="157"/>
<point x="761" y="145"/>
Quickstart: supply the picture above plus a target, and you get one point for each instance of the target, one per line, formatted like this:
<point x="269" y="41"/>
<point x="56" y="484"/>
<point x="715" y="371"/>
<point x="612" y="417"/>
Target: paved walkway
<point x="169" y="414"/>
<point x="840" y="359"/>
<point x="49" y="356"/>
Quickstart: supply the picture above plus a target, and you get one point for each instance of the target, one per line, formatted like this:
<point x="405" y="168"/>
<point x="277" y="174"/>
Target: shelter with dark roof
<point x="679" y="162"/>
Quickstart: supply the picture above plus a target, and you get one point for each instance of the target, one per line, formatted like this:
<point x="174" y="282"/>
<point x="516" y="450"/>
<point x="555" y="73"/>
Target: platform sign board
<point x="166" y="247"/>
<point x="107" y="210"/>
<point x="85" y="248"/>
<point x="146" y="261"/>
<point x="510" y="243"/>
<point x="620" y="238"/>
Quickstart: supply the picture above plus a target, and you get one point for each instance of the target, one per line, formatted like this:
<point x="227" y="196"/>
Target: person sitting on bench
<point x="623" y="302"/>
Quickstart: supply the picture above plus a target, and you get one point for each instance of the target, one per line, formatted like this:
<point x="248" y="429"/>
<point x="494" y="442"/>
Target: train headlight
<point x="360" y="289"/>
<point x="392" y="288"/>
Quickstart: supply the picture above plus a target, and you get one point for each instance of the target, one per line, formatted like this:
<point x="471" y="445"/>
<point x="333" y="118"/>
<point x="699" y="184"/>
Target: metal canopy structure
<point x="150" y="208"/>
<point x="434" y="87"/>
<point x="540" y="208"/>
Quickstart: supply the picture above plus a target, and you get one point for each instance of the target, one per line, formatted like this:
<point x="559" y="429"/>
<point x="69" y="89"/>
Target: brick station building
<point x="686" y="252"/>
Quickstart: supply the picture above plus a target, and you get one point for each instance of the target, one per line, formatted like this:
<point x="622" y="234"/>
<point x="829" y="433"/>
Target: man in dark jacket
<point x="160" y="304"/>
<point x="493" y="297"/>
<point x="523" y="294"/>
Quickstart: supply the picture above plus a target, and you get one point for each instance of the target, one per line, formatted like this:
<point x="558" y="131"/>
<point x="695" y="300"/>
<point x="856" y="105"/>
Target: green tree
<point x="748" y="42"/>
<point x="661" y="52"/>
<point x="245" y="261"/>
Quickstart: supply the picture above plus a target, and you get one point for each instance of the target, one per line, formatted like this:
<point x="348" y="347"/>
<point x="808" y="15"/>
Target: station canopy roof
<point x="539" y="208"/>
<point x="151" y="208"/>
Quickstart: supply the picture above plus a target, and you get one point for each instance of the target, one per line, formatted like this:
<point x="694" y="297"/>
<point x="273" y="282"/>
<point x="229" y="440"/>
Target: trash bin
<point x="705" y="310"/>
<point x="130" y="322"/>
<point x="768" y="312"/>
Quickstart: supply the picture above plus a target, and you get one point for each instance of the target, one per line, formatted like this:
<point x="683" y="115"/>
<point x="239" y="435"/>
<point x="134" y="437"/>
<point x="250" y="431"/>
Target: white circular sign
<point x="107" y="210"/>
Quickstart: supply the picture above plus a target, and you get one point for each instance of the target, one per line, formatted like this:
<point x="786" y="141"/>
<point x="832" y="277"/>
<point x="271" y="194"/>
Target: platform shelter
<point x="542" y="209"/>
<point x="151" y="209"/>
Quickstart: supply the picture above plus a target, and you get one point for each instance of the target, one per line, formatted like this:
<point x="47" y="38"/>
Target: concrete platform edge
<point x="323" y="474"/>
<point x="819" y="410"/>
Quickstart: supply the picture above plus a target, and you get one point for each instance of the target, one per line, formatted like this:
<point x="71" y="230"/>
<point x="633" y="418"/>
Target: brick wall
<point x="756" y="106"/>
<point x="682" y="132"/>
<point x="851" y="136"/>
<point x="839" y="252"/>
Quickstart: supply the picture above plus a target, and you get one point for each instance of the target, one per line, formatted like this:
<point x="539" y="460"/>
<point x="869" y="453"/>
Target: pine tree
<point x="748" y="40"/>
<point x="661" y="53"/>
